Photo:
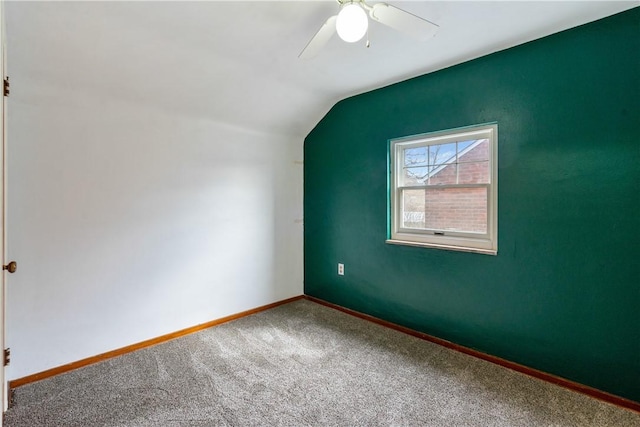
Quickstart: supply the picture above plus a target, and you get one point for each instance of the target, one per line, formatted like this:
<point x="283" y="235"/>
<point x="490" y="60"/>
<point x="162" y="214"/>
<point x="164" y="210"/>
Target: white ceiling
<point x="237" y="62"/>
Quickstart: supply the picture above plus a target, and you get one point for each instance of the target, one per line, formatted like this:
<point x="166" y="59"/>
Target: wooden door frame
<point x="3" y="199"/>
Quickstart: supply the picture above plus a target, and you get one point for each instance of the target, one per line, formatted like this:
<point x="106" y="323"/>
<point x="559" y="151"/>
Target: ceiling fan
<point x="352" y="23"/>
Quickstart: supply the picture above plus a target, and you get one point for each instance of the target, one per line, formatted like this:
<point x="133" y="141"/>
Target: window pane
<point x="463" y="145"/>
<point x="473" y="173"/>
<point x="416" y="175"/>
<point x="453" y="209"/>
<point x="413" y="208"/>
<point x="442" y="153"/>
<point x="444" y="174"/>
<point x="473" y="151"/>
<point x="458" y="209"/>
<point x="415" y="156"/>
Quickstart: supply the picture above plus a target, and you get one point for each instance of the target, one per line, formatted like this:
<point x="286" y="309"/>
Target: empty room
<point x="320" y="213"/>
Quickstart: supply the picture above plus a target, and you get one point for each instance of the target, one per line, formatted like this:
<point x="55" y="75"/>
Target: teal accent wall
<point x="563" y="293"/>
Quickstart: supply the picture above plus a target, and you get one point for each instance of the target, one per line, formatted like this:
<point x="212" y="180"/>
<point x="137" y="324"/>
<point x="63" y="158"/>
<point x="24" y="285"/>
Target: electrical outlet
<point x="340" y="269"/>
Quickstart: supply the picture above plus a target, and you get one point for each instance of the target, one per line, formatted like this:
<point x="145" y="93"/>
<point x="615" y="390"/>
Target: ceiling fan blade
<point x="321" y="38"/>
<point x="403" y="21"/>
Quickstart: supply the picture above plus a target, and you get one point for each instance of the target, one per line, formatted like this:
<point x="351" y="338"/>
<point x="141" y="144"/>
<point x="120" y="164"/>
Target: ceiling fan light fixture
<point x="352" y="22"/>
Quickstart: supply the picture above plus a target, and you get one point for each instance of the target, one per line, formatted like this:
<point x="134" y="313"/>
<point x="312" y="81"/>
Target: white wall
<point x="129" y="222"/>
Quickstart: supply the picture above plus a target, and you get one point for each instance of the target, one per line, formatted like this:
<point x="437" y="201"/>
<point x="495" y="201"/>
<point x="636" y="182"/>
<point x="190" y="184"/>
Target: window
<point x="443" y="189"/>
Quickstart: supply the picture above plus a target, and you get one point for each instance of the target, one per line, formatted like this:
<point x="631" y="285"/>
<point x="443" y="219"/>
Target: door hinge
<point x="7" y="356"/>
<point x="6" y="86"/>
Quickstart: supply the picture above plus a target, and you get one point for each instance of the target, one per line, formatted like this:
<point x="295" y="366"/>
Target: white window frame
<point x="486" y="243"/>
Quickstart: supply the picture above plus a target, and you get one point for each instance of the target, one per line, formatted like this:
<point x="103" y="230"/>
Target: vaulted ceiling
<point x="236" y="62"/>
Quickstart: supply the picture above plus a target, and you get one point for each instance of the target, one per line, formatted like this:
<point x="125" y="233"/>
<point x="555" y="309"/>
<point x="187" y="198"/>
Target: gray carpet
<point x="303" y="364"/>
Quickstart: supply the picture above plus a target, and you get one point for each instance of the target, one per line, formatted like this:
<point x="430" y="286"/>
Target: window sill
<point x="445" y="247"/>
